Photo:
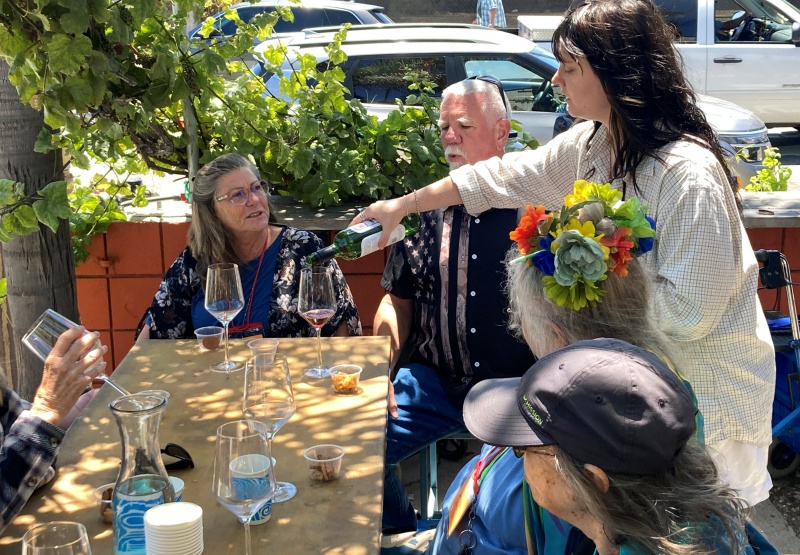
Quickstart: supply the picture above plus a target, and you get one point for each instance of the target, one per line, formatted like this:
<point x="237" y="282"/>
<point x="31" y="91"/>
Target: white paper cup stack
<point x="174" y="529"/>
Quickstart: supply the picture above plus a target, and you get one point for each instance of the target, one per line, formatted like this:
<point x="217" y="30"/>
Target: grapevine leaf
<point x="76" y="20"/>
<point x="44" y="141"/>
<point x="67" y="54"/>
<point x="7" y="192"/>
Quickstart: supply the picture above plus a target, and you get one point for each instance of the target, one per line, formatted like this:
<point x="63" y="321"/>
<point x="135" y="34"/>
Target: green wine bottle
<point x="362" y="239"/>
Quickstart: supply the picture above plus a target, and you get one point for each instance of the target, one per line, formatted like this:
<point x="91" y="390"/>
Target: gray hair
<point x="491" y="105"/>
<point x="211" y="242"/>
<point x="625" y="311"/>
<point x="679" y="511"/>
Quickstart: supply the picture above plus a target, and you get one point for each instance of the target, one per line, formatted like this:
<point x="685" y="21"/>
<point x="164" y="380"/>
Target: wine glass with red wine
<point x="317" y="304"/>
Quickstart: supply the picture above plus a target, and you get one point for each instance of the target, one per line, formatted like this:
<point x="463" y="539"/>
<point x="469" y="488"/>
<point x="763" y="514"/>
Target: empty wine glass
<point x="56" y="538"/>
<point x="243" y="476"/>
<point x="269" y="399"/>
<point x="317" y="304"/>
<point x="224" y="300"/>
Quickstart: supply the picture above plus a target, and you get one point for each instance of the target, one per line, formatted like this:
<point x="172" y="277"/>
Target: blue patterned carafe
<point x="143" y="481"/>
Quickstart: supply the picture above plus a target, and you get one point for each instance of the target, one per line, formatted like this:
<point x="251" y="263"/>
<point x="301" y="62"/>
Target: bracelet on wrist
<point x="405" y="203"/>
<point x="416" y="201"/>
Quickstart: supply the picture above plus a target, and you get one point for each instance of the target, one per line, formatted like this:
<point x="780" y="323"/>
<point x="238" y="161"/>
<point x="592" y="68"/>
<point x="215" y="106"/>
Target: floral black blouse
<point x="170" y="315"/>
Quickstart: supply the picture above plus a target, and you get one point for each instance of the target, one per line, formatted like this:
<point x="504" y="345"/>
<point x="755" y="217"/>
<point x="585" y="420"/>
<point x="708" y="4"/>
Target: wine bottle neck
<point x="322" y="255"/>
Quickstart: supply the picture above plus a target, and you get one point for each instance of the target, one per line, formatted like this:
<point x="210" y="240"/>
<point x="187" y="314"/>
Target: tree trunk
<point x="39" y="268"/>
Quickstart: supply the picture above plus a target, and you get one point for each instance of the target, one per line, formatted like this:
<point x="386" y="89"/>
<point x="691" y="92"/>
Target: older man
<point x="31" y="433"/>
<point x="445" y="306"/>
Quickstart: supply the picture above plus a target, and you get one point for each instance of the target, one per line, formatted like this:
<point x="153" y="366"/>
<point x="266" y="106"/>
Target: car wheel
<point x="782" y="460"/>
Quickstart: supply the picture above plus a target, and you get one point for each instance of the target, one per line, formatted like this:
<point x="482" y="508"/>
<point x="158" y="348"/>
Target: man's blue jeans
<point x="425" y="415"/>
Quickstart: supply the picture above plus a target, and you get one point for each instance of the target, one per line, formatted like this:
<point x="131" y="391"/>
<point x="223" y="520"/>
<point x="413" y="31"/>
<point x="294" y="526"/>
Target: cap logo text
<point x="532" y="411"/>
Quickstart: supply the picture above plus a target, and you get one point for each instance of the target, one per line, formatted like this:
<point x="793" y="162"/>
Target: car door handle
<point x="727" y="60"/>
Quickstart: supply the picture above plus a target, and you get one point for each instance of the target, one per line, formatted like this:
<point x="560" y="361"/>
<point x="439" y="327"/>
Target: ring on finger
<point x="361" y="215"/>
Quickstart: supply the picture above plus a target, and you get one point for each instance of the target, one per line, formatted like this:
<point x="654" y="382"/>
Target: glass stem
<point x="269" y="446"/>
<point x="226" y="343"/>
<point x="247" y="548"/>
<point x="319" y="346"/>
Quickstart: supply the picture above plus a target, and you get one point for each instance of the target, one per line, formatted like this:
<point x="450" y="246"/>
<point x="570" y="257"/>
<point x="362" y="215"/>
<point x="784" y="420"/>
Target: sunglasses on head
<point x="519" y="452"/>
<point x="490" y="79"/>
<point x="177" y="452"/>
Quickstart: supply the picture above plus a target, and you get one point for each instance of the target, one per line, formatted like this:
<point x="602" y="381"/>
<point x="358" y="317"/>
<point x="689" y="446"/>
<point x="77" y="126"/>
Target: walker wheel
<point x="783" y="461"/>
<point x="451" y="449"/>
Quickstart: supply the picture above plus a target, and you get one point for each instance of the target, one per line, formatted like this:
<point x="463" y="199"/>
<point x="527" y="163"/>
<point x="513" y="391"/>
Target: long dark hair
<point x="629" y="46"/>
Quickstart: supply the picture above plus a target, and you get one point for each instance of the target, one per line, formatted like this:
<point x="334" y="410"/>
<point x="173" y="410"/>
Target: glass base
<point x="283" y="492"/>
<point x="317" y="372"/>
<point x="227" y="367"/>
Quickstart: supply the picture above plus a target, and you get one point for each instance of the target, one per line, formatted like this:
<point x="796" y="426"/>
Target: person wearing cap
<point x="444" y="306"/>
<point x="605" y="430"/>
<point x="623" y="310"/>
<point x="645" y="135"/>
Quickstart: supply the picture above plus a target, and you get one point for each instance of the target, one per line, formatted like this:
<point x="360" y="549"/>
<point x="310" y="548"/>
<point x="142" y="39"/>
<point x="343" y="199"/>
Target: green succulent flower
<point x="578" y="256"/>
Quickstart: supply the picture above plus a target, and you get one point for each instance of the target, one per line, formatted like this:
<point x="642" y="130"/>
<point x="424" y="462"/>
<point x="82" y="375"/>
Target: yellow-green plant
<point x="772" y="177"/>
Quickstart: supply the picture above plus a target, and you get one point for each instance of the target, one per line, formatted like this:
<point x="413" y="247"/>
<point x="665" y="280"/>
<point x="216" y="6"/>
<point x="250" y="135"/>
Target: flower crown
<point x="575" y="248"/>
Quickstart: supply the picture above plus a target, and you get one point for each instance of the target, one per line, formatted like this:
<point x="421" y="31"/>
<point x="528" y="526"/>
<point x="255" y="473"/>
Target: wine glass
<point x="56" y="538"/>
<point x="243" y="476"/>
<point x="269" y="399"/>
<point x="224" y="300"/>
<point x="317" y="304"/>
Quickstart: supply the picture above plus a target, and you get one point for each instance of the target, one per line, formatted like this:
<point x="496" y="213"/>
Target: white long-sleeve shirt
<point x="705" y="272"/>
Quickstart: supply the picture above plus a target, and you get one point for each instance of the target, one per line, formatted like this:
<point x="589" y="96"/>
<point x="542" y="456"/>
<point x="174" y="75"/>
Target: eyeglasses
<point x="177" y="452"/>
<point x="242" y="194"/>
<point x="493" y="80"/>
<point x="519" y="452"/>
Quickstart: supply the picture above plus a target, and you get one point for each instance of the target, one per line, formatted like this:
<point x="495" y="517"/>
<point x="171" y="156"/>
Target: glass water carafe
<point x="143" y="481"/>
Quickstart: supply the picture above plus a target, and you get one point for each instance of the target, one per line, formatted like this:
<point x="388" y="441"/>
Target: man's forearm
<point x="393" y="318"/>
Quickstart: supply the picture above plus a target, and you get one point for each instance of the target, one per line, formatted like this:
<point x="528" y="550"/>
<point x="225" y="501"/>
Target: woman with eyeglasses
<point x="233" y="221"/>
<point x="645" y="135"/>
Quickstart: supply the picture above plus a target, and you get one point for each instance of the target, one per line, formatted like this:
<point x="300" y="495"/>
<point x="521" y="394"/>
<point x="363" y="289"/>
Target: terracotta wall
<point x="118" y="280"/>
<point x="125" y="266"/>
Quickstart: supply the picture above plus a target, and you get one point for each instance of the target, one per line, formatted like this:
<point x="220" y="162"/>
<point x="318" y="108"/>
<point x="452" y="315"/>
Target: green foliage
<point x="773" y="176"/>
<point x="114" y="79"/>
<point x="3" y="290"/>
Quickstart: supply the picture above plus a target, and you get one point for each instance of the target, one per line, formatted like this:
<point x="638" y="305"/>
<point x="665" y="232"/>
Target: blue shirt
<point x="483" y="16"/>
<point x="261" y="296"/>
<point x="499" y="522"/>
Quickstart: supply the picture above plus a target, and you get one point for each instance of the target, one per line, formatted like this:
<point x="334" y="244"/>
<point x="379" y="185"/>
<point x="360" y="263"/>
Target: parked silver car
<point x="307" y="13"/>
<point x="379" y="56"/>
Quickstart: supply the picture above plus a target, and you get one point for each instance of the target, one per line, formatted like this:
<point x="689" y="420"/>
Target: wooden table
<point x="341" y="517"/>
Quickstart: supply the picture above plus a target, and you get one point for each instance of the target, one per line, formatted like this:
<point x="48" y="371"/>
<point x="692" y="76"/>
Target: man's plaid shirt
<point x="28" y="447"/>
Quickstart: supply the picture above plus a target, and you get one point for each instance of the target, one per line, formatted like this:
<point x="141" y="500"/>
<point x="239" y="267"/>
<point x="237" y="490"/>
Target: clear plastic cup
<point x="345" y="378"/>
<point x="209" y="337"/>
<point x="324" y="462"/>
<point x="263" y="346"/>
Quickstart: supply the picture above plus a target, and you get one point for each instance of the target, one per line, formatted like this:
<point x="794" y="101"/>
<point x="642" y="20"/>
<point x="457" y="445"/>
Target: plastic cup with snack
<point x="209" y="337"/>
<point x="345" y="379"/>
<point x="324" y="462"/>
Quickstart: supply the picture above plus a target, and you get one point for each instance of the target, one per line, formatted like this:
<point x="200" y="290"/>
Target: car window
<point x="735" y="22"/>
<point x="340" y="17"/>
<point x="681" y="15"/>
<point x="381" y="80"/>
<point x="303" y="19"/>
<point x="228" y="26"/>
<point x="526" y="90"/>
<point x="381" y="17"/>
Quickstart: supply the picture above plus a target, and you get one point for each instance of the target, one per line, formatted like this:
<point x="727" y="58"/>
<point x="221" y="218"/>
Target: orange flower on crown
<point x="526" y="235"/>
<point x="620" y="250"/>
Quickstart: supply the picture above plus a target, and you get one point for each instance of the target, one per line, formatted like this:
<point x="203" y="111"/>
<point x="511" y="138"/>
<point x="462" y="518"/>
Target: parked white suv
<point x="744" y="51"/>
<point x="380" y="56"/>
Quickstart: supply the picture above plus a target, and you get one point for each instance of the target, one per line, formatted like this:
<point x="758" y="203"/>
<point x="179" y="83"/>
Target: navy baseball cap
<point x="602" y="401"/>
